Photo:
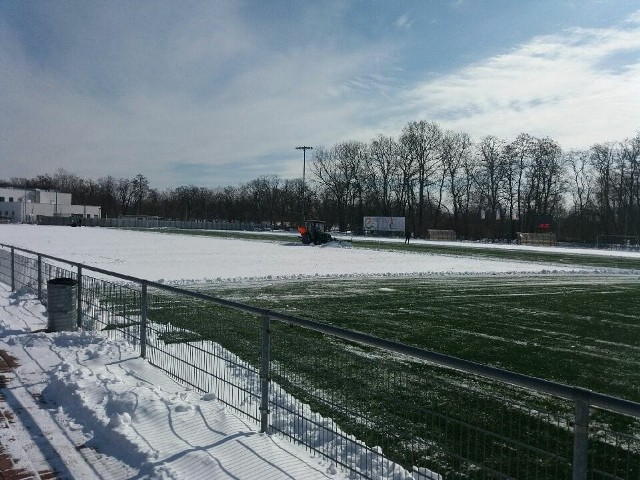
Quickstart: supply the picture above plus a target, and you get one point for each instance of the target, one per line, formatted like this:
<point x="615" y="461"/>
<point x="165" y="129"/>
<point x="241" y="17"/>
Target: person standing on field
<point x="407" y="236"/>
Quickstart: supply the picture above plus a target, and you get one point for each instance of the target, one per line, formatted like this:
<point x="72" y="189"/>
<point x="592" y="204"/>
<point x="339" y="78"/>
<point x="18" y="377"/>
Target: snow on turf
<point x="183" y="258"/>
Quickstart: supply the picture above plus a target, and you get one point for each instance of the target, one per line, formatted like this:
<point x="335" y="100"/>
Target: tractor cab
<point x="313" y="231"/>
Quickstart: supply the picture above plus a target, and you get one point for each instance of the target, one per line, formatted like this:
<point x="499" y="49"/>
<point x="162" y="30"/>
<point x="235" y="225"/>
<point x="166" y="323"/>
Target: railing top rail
<point x="576" y="394"/>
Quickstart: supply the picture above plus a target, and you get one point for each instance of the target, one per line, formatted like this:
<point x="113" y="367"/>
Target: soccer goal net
<point x="618" y="242"/>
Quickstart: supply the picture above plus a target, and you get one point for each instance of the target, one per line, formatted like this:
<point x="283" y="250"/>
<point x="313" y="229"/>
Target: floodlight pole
<point x="304" y="166"/>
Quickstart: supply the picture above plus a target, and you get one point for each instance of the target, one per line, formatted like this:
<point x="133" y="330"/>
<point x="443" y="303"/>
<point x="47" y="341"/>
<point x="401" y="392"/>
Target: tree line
<point x="435" y="178"/>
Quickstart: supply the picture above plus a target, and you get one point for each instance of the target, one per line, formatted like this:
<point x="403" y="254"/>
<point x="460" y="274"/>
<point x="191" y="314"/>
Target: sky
<point x="218" y="93"/>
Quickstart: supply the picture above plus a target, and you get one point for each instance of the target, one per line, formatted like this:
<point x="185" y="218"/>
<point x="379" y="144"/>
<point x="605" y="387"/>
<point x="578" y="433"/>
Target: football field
<point x="556" y="314"/>
<point x="578" y="330"/>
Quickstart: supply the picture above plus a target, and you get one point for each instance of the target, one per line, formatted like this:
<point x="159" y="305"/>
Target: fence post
<point x="143" y="321"/>
<point x="581" y="440"/>
<point x="80" y="322"/>
<point x="39" y="277"/>
<point x="13" y="270"/>
<point x="264" y="374"/>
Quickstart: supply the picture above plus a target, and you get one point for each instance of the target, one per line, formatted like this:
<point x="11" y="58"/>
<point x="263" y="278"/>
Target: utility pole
<point x="304" y="166"/>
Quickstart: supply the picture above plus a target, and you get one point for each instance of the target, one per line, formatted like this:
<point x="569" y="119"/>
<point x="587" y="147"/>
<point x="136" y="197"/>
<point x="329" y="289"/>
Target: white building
<point x="26" y="205"/>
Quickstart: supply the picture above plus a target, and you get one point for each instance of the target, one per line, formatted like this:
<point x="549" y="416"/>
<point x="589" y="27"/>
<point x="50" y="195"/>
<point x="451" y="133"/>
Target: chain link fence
<point x="376" y="408"/>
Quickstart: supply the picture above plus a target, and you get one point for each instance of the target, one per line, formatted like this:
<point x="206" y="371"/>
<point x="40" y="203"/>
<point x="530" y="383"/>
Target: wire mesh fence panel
<point x="411" y="414"/>
<point x="18" y="270"/>
<point x="25" y="272"/>
<point x="5" y="265"/>
<point x="210" y="347"/>
<point x="614" y="446"/>
<point x="115" y="308"/>
<point x="93" y="304"/>
<point x="51" y="271"/>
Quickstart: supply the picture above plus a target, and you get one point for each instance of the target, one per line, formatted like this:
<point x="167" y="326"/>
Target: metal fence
<point x="151" y="222"/>
<point x="378" y="409"/>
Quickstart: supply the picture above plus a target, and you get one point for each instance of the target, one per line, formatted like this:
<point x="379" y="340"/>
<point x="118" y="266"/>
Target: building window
<point x="1" y="199"/>
<point x="11" y="199"/>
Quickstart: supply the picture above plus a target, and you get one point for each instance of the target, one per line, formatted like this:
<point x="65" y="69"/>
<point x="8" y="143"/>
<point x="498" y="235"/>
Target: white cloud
<point x="403" y="22"/>
<point x="559" y="85"/>
<point x="634" y="18"/>
<point x="218" y="101"/>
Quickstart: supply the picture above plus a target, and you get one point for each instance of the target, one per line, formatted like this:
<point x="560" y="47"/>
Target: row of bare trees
<point x="436" y="178"/>
<point x="489" y="189"/>
<point x="441" y="179"/>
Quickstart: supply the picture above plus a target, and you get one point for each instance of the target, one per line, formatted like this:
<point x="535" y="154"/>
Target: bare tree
<point x="545" y="181"/>
<point x="581" y="186"/>
<point x="518" y="158"/>
<point x="404" y="183"/>
<point x="327" y="171"/>
<point x="124" y="195"/>
<point x="264" y="194"/>
<point x="455" y="156"/>
<point x="383" y="153"/>
<point x="421" y="146"/>
<point x="289" y="201"/>
<point x="581" y="180"/>
<point x="339" y="171"/>
<point x="491" y="178"/>
<point x="630" y="184"/>
<point x="186" y="198"/>
<point x="139" y="190"/>
<point x="602" y="159"/>
<point x="106" y="194"/>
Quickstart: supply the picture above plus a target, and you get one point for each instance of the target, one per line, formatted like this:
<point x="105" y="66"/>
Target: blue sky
<point x="217" y="93"/>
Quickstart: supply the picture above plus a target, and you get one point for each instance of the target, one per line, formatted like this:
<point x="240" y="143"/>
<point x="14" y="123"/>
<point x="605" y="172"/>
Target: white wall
<point x="41" y="203"/>
<point x="47" y="196"/>
<point x="11" y="193"/>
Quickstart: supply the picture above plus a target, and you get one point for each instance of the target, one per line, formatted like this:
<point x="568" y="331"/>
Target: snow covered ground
<point x="184" y="258"/>
<point x="91" y="408"/>
<point x="95" y="410"/>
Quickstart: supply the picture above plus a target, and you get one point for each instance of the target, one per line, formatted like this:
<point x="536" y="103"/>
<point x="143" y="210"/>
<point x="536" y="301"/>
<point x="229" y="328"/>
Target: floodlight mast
<point x="304" y="167"/>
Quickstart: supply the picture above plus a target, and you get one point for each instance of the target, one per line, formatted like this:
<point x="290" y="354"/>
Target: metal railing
<point x="377" y="408"/>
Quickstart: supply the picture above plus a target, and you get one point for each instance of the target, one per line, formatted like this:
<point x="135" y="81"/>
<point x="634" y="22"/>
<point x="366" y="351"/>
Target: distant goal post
<point x="617" y="241"/>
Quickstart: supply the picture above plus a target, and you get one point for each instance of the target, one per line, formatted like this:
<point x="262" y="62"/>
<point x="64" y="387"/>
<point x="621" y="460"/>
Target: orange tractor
<point x="313" y="231"/>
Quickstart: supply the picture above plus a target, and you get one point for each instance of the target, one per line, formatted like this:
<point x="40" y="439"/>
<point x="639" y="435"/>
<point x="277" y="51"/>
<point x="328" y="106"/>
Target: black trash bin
<point x="62" y="304"/>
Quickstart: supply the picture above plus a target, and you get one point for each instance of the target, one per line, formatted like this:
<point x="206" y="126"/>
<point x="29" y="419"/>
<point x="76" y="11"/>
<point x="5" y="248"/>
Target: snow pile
<point x="106" y="410"/>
